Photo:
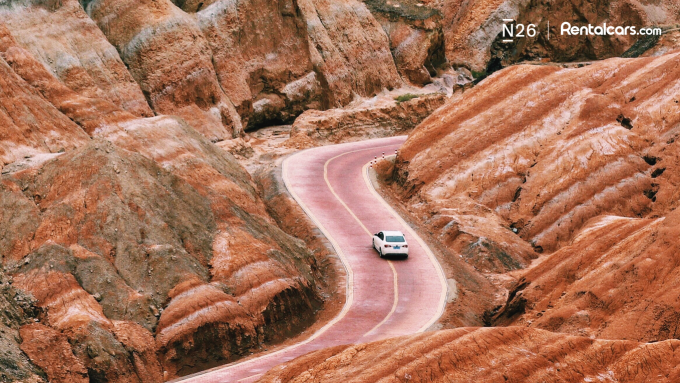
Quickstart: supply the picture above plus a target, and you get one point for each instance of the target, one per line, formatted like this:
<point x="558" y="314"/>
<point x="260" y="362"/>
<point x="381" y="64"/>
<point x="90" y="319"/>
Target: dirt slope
<point x="31" y="125"/>
<point x="585" y="173"/>
<point x="486" y="355"/>
<point x="69" y="43"/>
<point x="144" y="245"/>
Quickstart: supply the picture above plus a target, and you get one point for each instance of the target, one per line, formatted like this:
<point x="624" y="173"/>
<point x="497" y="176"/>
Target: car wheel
<point x="380" y="252"/>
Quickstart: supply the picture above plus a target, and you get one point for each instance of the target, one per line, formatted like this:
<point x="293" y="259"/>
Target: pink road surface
<point x="346" y="209"/>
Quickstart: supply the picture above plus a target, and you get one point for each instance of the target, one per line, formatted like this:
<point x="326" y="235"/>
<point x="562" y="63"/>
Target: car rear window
<point x="395" y="238"/>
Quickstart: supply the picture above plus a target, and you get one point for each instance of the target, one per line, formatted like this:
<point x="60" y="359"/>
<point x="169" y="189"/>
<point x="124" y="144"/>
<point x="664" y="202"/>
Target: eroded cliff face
<point x="67" y="42"/>
<point x="148" y="248"/>
<point x="577" y="164"/>
<point x="169" y="57"/>
<point x="262" y="58"/>
<point x="416" y="37"/>
<point x="350" y="49"/>
<point x="486" y="355"/>
<point x="268" y="61"/>
<point x="31" y="125"/>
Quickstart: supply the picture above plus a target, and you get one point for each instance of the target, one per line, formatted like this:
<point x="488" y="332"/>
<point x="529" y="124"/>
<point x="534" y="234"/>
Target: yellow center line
<point x="440" y="272"/>
<point x="396" y="300"/>
<point x="395" y="276"/>
<point x="349" y="301"/>
<point x="325" y="177"/>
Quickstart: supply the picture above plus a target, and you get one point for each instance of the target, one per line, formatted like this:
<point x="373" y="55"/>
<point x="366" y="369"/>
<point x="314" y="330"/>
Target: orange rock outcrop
<point x="509" y="354"/>
<point x="568" y="177"/>
<point x="104" y="232"/>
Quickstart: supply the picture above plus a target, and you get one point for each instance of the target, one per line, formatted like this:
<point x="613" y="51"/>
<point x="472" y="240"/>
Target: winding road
<point x="384" y="298"/>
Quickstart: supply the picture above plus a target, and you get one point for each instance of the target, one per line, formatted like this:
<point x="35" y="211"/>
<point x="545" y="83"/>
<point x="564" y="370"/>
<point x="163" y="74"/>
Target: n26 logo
<point x="519" y="30"/>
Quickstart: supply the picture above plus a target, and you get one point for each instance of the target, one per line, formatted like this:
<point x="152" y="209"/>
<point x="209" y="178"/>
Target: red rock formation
<point x="89" y="113"/>
<point x="31" y="125"/>
<point x="616" y="282"/>
<point x="16" y="310"/>
<point x="65" y="40"/>
<point x="154" y="244"/>
<point x="49" y="276"/>
<point x="579" y="163"/>
<point x="349" y="48"/>
<point x="177" y="79"/>
<point x="262" y="59"/>
<point x="216" y="177"/>
<point x="416" y="37"/>
<point x="49" y="349"/>
<point x="486" y="355"/>
<point x="303" y="55"/>
<point x="535" y="161"/>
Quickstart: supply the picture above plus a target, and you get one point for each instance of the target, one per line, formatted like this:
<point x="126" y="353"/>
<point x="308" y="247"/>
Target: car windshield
<point x="395" y="238"/>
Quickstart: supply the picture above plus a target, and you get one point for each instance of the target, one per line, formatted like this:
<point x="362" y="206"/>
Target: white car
<point x="390" y="243"/>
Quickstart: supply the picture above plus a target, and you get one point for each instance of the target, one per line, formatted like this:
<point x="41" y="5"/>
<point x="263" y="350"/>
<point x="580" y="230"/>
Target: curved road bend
<point x="384" y="298"/>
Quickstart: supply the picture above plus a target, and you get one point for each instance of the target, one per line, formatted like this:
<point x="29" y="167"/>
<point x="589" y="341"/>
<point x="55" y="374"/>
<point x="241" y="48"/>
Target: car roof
<point x="392" y="233"/>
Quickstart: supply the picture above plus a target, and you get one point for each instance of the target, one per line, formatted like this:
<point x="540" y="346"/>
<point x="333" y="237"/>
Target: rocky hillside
<point x="569" y="198"/>
<point x="487" y="355"/>
<point x="140" y="250"/>
<point x="148" y="250"/>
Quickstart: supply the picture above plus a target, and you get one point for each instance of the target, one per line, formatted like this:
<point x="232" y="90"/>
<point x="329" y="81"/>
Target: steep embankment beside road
<point x="578" y="164"/>
<point x="486" y="355"/>
<point x="148" y="249"/>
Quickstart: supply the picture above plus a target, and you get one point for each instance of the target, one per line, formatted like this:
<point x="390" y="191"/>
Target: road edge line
<point x="433" y="259"/>
<point x="349" y="288"/>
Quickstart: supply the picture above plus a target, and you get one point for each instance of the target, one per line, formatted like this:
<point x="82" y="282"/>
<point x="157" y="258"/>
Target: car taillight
<point x="405" y="246"/>
<point x="388" y="245"/>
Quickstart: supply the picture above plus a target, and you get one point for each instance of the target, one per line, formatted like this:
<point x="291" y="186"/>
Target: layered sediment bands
<point x="178" y="79"/>
<point x="586" y="172"/>
<point x="31" y="125"/>
<point x="416" y="37"/>
<point x="546" y="166"/>
<point x="140" y="228"/>
<point x="127" y="237"/>
<point x="379" y="117"/>
<point x="48" y="274"/>
<point x="486" y="355"/>
<point x="88" y="113"/>
<point x="349" y="48"/>
<point x="65" y="40"/>
<point x="616" y="280"/>
<point x="200" y="313"/>
<point x="278" y="305"/>
<point x="262" y="59"/>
